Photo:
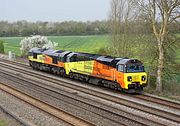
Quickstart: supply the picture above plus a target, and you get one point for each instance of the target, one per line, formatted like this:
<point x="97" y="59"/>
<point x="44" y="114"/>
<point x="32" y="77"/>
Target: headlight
<point x="143" y="78"/>
<point x="129" y="78"/>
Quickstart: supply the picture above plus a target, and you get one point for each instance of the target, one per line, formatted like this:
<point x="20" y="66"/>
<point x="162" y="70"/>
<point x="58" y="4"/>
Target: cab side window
<point x="121" y="68"/>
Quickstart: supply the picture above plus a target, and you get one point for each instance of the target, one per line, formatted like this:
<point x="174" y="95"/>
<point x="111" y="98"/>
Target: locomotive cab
<point x="132" y="75"/>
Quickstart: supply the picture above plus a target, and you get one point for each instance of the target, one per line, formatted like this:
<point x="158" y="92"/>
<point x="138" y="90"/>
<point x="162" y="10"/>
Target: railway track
<point x="46" y="107"/>
<point x="15" y="116"/>
<point x="37" y="88"/>
<point x="162" y="101"/>
<point x="174" y="117"/>
<point x="145" y="96"/>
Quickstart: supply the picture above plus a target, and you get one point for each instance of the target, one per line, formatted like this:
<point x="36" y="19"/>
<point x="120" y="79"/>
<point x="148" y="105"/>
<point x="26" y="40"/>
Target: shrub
<point x="1" y="46"/>
<point x="171" y="86"/>
<point x="35" y="41"/>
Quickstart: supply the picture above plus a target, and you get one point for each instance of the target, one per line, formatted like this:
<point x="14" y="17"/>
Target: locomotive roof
<point x="51" y="52"/>
<point x="71" y="54"/>
<point x="36" y="50"/>
<point x="92" y="56"/>
<point x="125" y="61"/>
<point x="115" y="61"/>
<point x="64" y="53"/>
<point x="108" y="59"/>
<point x="105" y="59"/>
<point x="48" y="51"/>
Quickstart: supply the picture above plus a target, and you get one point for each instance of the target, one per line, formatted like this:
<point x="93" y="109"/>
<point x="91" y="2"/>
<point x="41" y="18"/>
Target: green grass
<point x="178" y="56"/>
<point x="90" y="44"/>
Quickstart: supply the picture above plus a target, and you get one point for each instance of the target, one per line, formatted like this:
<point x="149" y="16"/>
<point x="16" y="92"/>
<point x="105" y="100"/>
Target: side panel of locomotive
<point x="82" y="67"/>
<point x="103" y="71"/>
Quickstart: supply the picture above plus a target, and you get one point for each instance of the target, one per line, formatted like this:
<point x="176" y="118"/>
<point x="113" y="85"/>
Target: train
<point x="123" y="74"/>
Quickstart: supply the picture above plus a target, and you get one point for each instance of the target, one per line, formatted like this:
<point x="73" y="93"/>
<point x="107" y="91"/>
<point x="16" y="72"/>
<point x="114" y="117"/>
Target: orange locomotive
<point x="117" y="73"/>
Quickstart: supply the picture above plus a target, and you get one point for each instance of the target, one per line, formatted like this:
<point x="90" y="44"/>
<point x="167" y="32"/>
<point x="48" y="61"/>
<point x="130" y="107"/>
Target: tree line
<point x="25" y="28"/>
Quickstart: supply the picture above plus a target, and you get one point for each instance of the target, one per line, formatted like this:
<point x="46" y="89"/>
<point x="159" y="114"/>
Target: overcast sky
<point x="54" y="10"/>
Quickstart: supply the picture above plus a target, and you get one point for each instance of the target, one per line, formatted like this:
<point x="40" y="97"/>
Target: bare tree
<point x="162" y="13"/>
<point x="122" y="12"/>
<point x="114" y="25"/>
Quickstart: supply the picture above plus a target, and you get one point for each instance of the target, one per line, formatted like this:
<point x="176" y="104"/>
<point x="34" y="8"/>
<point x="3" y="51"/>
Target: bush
<point x="35" y="41"/>
<point x="1" y="46"/>
<point x="171" y="86"/>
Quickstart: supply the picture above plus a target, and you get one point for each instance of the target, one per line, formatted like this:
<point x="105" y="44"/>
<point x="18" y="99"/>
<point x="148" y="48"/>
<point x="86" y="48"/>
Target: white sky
<point x="54" y="10"/>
